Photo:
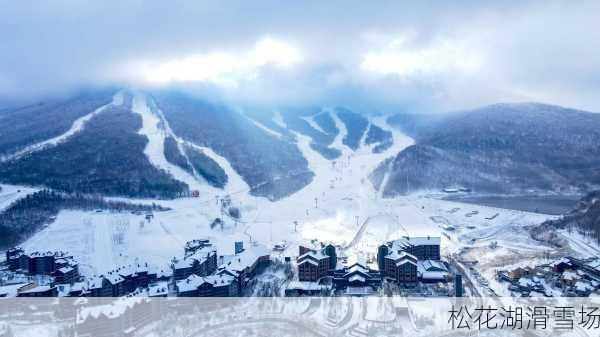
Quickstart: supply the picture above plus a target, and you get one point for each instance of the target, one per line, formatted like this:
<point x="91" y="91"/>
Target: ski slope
<point x="156" y="139"/>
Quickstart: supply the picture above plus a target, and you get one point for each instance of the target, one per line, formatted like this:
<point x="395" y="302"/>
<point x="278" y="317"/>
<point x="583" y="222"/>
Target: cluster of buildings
<point x="201" y="272"/>
<point x="567" y="276"/>
<point x="59" y="265"/>
<point x="123" y="317"/>
<point x="118" y="282"/>
<point x="410" y="260"/>
<point x="406" y="262"/>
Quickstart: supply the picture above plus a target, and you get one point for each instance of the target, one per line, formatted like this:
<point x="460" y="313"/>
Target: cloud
<point x="446" y="56"/>
<point x="223" y="68"/>
<point x="386" y="55"/>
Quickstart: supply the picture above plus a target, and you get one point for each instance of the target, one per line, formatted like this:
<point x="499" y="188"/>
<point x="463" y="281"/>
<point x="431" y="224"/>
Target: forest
<point x="106" y="157"/>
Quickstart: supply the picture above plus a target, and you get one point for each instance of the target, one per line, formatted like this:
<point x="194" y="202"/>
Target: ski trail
<point x="310" y="120"/>
<point x="235" y="182"/>
<point x="400" y="140"/>
<point x="338" y="141"/>
<point x="77" y="126"/>
<point x="316" y="162"/>
<point x="385" y="179"/>
<point x="278" y="119"/>
<point x="178" y="141"/>
<point x="156" y="142"/>
<point x="362" y="144"/>
<point x="262" y="126"/>
<point x="103" y="255"/>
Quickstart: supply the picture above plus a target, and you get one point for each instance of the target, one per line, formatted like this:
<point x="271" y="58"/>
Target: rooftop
<point x="396" y="255"/>
<point x="408" y="241"/>
<point x="113" y="310"/>
<point x="36" y="289"/>
<point x="245" y="259"/>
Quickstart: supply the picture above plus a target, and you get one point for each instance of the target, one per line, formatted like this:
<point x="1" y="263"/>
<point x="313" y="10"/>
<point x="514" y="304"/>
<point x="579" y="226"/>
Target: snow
<point x="36" y="289"/>
<point x="262" y="126"/>
<point x="11" y="290"/>
<point x="156" y="139"/>
<point x="245" y="259"/>
<point x="310" y="120"/>
<point x="159" y="289"/>
<point x="408" y="241"/>
<point x="304" y="285"/>
<point x="77" y="126"/>
<point x="570" y="276"/>
<point x="356" y="278"/>
<point x="313" y="262"/>
<point x="11" y="193"/>
<point x="405" y="261"/>
<point x="112" y="310"/>
<point x="339" y="206"/>
<point x="88" y="236"/>
<point x="582" y="245"/>
<point x="235" y="182"/>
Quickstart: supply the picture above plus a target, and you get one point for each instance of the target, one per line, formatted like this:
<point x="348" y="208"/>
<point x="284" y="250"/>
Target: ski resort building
<point x="401" y="267"/>
<point x="66" y="275"/>
<point x="244" y="265"/>
<point x="34" y="290"/>
<point x="191" y="247"/>
<point x="356" y="280"/>
<point x="200" y="259"/>
<point x="209" y="286"/>
<point x="124" y="317"/>
<point x="315" y="264"/>
<point x="58" y="264"/>
<point x="410" y="259"/>
<point x="136" y="276"/>
<point x="432" y="271"/>
<point x="423" y="248"/>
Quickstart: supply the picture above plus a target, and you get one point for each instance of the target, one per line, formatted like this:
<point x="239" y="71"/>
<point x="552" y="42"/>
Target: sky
<point x="426" y="56"/>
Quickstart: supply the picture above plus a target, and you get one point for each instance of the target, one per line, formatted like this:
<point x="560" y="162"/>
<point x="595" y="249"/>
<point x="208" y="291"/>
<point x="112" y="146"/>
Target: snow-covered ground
<point x="339" y="206"/>
<point x="11" y="193"/>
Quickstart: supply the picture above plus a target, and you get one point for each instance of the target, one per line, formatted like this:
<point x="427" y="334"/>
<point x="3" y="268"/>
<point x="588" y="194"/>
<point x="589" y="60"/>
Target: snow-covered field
<point x="339" y="206"/>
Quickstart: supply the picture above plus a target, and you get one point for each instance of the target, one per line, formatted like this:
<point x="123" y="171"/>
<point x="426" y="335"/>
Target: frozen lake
<point x="553" y="205"/>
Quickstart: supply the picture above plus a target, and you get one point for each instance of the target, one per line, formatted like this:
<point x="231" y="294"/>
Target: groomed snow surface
<point x="9" y="194"/>
<point x="339" y="206"/>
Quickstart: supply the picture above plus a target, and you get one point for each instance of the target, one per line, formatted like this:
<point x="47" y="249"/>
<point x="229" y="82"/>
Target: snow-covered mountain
<point x="165" y="145"/>
<point x="284" y="175"/>
<point x="503" y="148"/>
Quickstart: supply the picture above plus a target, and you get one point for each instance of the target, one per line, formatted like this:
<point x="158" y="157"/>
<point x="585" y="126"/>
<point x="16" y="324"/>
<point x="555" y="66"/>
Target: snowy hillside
<point x="502" y="148"/>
